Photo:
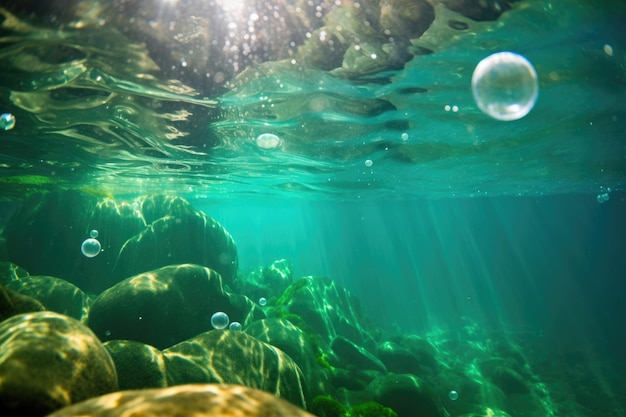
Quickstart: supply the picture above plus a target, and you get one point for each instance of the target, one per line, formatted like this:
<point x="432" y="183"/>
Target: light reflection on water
<point x="95" y="108"/>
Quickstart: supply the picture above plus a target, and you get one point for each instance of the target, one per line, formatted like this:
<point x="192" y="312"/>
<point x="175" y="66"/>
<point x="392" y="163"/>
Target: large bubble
<point x="505" y="86"/>
<point x="91" y="247"/>
<point x="220" y="320"/>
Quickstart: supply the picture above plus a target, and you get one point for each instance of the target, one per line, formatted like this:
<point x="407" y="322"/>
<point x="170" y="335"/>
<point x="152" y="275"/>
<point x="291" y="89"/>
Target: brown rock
<point x="208" y="400"/>
<point x="48" y="361"/>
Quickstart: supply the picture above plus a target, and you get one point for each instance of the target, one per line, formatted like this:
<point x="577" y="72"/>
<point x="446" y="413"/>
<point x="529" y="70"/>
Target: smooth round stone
<point x="220" y="320"/>
<point x="91" y="247"/>
<point x="505" y="86"/>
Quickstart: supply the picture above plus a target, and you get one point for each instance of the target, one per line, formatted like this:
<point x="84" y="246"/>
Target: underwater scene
<point x="331" y="208"/>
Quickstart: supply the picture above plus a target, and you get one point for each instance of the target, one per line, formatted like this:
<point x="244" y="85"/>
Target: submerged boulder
<point x="233" y="357"/>
<point x="44" y="235"/>
<point x="55" y="294"/>
<point x="138" y="365"/>
<point x="13" y="303"/>
<point x="355" y="355"/>
<point x="176" y="233"/>
<point x="266" y="282"/>
<point x="302" y="347"/>
<point x="10" y="272"/>
<point x="198" y="400"/>
<point x="328" y="309"/>
<point x="166" y="306"/>
<point x="406" y="394"/>
<point x="48" y="361"/>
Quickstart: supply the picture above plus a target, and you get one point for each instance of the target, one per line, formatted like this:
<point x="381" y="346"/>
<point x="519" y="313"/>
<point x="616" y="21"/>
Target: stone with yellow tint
<point x="48" y="361"/>
<point x="167" y="306"/>
<point x="198" y="400"/>
<point x="233" y="357"/>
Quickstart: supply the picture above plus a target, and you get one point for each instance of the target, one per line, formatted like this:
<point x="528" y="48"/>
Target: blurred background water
<point x="391" y="181"/>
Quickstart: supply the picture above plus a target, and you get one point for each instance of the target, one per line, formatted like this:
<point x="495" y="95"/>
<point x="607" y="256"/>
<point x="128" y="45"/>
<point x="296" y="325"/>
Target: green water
<point x="444" y="222"/>
<point x="94" y="110"/>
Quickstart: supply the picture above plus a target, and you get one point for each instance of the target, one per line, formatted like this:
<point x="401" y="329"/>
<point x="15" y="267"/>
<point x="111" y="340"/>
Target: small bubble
<point x="7" y="121"/>
<point x="262" y="301"/>
<point x="369" y="163"/>
<point x="608" y="49"/>
<point x="93" y="234"/>
<point x="268" y="141"/>
<point x="453" y="395"/>
<point x="404" y="136"/>
<point x="235" y="325"/>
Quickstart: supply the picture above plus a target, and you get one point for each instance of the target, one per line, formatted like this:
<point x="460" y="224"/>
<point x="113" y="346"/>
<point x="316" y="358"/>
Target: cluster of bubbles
<point x="91" y="246"/>
<point x="505" y="86"/>
<point x="220" y="321"/>
<point x="7" y="121"/>
<point x="262" y="301"/>
<point x="602" y="198"/>
<point x="268" y="141"/>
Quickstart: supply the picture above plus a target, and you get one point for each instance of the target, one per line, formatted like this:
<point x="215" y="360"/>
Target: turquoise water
<point x="440" y="219"/>
<point x="132" y="129"/>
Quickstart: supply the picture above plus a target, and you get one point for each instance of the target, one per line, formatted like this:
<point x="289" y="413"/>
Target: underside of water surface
<point x="128" y="99"/>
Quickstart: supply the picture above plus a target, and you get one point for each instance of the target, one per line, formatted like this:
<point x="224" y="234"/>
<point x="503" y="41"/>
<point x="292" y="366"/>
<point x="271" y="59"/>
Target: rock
<point x="397" y="358"/>
<point x="50" y="227"/>
<point x="176" y="233"/>
<point x="207" y="400"/>
<point x="233" y="357"/>
<point x="267" y="281"/>
<point x="13" y="303"/>
<point x="479" y="10"/>
<point x="311" y="298"/>
<point x="10" y="272"/>
<point x="48" y="361"/>
<point x="365" y="39"/>
<point x="136" y="236"/>
<point x="166" y="306"/>
<point x="299" y="345"/>
<point x="509" y="381"/>
<point x="405" y="394"/>
<point x="138" y="365"/>
<point x="55" y="294"/>
<point x="409" y="354"/>
<point x="355" y="355"/>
